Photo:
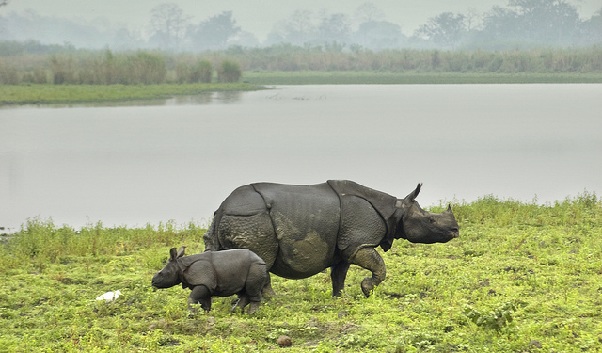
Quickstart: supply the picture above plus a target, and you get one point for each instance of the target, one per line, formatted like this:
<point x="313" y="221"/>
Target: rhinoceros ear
<point x="399" y="204"/>
<point x="449" y="207"/>
<point x="173" y="254"/>
<point x="180" y="252"/>
<point x="412" y="196"/>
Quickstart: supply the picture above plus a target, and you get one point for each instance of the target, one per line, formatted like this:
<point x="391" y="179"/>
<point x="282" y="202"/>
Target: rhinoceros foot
<point x="367" y="286"/>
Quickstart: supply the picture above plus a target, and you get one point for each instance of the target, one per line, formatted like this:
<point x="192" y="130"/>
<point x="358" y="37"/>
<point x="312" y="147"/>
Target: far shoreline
<point x="48" y="94"/>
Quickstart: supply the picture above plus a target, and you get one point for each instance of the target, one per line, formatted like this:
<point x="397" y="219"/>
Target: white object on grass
<point x="109" y="296"/>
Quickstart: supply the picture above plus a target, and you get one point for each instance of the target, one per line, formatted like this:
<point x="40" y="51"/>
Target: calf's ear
<point x="181" y="251"/>
<point x="173" y="254"/>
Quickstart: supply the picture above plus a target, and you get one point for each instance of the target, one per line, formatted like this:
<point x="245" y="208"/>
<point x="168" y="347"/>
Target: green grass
<point x="72" y="94"/>
<point x="521" y="278"/>
<point x="319" y="78"/>
<point x="65" y="94"/>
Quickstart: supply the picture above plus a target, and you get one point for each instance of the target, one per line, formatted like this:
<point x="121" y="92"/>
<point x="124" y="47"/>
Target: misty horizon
<point x="371" y="25"/>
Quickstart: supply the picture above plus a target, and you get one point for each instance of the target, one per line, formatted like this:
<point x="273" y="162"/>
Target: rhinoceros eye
<point x="432" y="219"/>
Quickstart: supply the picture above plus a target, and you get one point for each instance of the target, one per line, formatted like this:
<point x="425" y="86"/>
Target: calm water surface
<point x="178" y="159"/>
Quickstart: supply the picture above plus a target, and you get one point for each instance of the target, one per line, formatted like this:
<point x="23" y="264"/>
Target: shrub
<point x="145" y="68"/>
<point x="202" y="71"/>
<point x="229" y="72"/>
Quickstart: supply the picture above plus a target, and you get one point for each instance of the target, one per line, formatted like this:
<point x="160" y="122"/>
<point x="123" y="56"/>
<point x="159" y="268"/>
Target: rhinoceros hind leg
<point x="369" y="259"/>
<point x="267" y="290"/>
<point x="254" y="307"/>
<point x="338" y="273"/>
<point x="241" y="302"/>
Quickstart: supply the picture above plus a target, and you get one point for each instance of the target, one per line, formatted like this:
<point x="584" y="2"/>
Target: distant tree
<point x="244" y="39"/>
<point x="334" y="28"/>
<point x="124" y="39"/>
<point x="500" y="23"/>
<point x="214" y="32"/>
<point x="368" y="12"/>
<point x="592" y="29"/>
<point x="447" y="29"/>
<point x="2" y="3"/>
<point x="532" y="21"/>
<point x="379" y="35"/>
<point x="298" y="29"/>
<point x="30" y="25"/>
<point x="554" y="21"/>
<point x="168" y="24"/>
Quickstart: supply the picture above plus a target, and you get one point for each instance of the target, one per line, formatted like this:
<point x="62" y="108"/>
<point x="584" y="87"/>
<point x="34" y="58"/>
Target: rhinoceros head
<point x="170" y="275"/>
<point x="420" y="226"/>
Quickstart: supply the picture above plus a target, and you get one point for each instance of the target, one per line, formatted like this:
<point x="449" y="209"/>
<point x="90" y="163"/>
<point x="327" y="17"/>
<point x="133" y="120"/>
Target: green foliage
<point x="496" y="318"/>
<point x="201" y="71"/>
<point x="229" y="71"/>
<point x="103" y="68"/>
<point x="522" y="277"/>
<point x="107" y="68"/>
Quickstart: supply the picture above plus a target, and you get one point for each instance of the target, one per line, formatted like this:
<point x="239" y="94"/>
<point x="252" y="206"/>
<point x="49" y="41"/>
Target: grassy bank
<point x="521" y="278"/>
<point x="66" y="94"/>
<point x="319" y="78"/>
<point x="69" y="94"/>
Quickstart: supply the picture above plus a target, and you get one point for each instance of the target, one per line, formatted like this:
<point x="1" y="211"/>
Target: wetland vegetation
<point x="35" y="74"/>
<point x="522" y="277"/>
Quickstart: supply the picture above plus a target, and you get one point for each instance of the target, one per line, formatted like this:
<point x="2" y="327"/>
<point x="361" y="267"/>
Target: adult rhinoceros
<point x="299" y="230"/>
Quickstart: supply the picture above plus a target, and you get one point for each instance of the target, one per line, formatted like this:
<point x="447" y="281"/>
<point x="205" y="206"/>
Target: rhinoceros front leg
<point x="369" y="259"/>
<point x="200" y="295"/>
<point x="338" y="273"/>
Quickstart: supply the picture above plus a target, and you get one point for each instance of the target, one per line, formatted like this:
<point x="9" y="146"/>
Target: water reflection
<point x="206" y="98"/>
<point x="225" y="97"/>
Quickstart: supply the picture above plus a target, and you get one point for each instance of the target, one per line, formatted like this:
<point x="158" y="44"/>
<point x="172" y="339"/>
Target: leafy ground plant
<point x="521" y="278"/>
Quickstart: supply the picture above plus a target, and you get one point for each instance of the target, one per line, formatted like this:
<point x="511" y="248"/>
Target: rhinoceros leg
<point x="267" y="290"/>
<point x="338" y="273"/>
<point x="200" y="295"/>
<point x="369" y="259"/>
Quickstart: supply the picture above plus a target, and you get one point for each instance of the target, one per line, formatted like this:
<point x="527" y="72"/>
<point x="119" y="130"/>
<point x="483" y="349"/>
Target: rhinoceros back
<point x="292" y="228"/>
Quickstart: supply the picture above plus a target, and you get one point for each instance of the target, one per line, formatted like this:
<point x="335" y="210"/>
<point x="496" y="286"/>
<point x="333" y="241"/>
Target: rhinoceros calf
<point x="216" y="273"/>
<point x="299" y="230"/>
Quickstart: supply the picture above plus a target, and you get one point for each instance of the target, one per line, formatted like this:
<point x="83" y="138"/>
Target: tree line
<point x="520" y="24"/>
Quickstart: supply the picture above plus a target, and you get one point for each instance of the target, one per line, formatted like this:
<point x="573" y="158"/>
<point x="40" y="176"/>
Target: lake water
<point x="178" y="159"/>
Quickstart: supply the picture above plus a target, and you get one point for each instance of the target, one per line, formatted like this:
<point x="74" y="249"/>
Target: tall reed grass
<point x="154" y="67"/>
<point x="109" y="68"/>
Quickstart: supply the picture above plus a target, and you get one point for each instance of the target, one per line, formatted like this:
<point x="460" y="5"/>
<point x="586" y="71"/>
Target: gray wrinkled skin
<point x="299" y="230"/>
<point x="216" y="274"/>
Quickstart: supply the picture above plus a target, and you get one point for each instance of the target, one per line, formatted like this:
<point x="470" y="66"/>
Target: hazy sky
<point x="260" y="16"/>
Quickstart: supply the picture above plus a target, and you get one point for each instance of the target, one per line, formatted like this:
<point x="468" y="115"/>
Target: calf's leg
<point x="242" y="301"/>
<point x="257" y="280"/>
<point x="200" y="295"/>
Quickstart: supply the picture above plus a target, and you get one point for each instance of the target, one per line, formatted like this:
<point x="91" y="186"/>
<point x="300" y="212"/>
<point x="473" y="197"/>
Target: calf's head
<point x="420" y="226"/>
<point x="170" y="275"/>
